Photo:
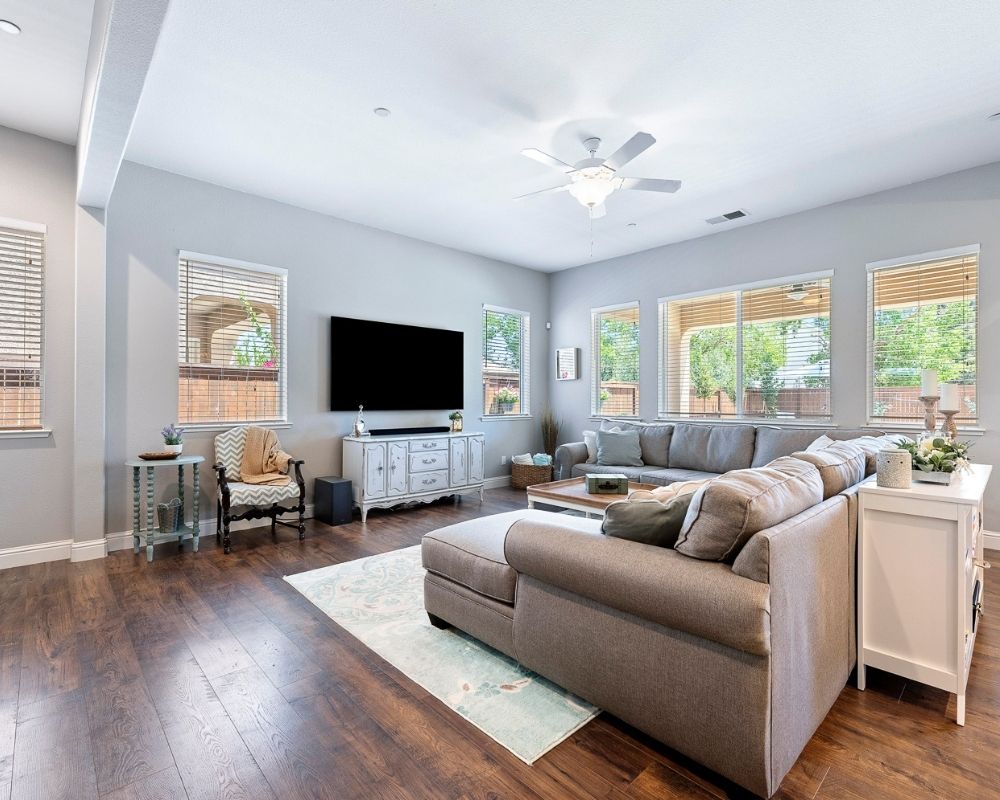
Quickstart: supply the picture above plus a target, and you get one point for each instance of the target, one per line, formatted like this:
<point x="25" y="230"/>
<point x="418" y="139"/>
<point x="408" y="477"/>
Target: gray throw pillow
<point x="647" y="521"/>
<point x="619" y="449"/>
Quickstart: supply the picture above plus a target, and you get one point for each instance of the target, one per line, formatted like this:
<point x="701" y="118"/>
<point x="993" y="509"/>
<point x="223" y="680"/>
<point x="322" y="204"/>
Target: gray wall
<point x="37" y="184"/>
<point x="958" y="209"/>
<point x="334" y="268"/>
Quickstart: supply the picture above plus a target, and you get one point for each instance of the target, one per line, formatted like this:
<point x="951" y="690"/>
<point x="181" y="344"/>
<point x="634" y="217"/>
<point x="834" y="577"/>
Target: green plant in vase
<point x="935" y="459"/>
<point x="506" y="399"/>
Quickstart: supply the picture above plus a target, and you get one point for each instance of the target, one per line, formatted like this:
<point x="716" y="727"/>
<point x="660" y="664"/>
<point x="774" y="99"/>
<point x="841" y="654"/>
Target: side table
<point x="151" y="534"/>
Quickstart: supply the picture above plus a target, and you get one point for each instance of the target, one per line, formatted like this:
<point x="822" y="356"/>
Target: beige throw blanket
<point x="264" y="462"/>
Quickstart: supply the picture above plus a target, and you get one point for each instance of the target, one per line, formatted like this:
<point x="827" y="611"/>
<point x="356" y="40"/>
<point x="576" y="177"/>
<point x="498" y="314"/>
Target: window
<point x="22" y="266"/>
<point x="231" y="341"/>
<point x="759" y="351"/>
<point x="506" y="360"/>
<point x="615" y="361"/>
<point x="922" y="314"/>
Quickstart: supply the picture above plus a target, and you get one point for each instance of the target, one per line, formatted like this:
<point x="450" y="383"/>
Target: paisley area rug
<point x="380" y="600"/>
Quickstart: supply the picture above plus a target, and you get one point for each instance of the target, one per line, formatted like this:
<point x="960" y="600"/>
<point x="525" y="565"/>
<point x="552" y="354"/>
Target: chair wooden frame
<point x="224" y="516"/>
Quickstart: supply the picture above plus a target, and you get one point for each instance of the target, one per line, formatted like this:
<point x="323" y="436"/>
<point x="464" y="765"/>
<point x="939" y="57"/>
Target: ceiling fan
<point x="592" y="179"/>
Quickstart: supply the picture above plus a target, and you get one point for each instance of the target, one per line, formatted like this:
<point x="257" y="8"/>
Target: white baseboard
<point x="991" y="540"/>
<point x="499" y="482"/>
<point x="27" y="554"/>
<point x="89" y="550"/>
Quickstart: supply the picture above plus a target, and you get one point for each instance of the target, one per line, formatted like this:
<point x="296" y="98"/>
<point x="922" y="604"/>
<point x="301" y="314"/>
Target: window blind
<point x="757" y="352"/>
<point x="22" y="266"/>
<point x="922" y="315"/>
<point x="615" y="361"/>
<point x="231" y="343"/>
<point x="506" y="361"/>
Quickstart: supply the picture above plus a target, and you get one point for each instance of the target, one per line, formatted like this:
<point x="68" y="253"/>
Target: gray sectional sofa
<point x="734" y="663"/>
<point x="685" y="451"/>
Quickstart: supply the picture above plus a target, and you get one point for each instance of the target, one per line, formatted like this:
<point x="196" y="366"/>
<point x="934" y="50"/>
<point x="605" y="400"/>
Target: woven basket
<point x="525" y="475"/>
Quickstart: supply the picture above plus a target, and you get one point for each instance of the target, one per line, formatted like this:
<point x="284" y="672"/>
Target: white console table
<point x="920" y="580"/>
<point x="386" y="471"/>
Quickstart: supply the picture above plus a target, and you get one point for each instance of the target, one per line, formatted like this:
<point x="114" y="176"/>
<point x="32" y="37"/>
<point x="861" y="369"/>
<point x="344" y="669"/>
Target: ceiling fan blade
<point x="596" y="212"/>
<point x="545" y="158"/>
<point x="651" y="184"/>
<point x="553" y="189"/>
<point x="633" y="147"/>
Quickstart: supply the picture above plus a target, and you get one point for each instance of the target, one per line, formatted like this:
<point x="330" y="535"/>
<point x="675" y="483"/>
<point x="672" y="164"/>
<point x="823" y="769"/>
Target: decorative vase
<point x="943" y="478"/>
<point x="892" y="468"/>
<point x="174" y="448"/>
<point x="456" y="425"/>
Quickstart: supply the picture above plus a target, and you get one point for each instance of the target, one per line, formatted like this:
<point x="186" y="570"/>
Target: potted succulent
<point x="173" y="441"/>
<point x="456" y="421"/>
<point x="506" y="399"/>
<point x="935" y="459"/>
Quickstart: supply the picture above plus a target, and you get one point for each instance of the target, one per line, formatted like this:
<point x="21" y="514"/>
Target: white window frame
<point x="524" y="380"/>
<point x="282" y="419"/>
<point x="906" y="261"/>
<point x="737" y="289"/>
<point x="595" y="358"/>
<point x="43" y="431"/>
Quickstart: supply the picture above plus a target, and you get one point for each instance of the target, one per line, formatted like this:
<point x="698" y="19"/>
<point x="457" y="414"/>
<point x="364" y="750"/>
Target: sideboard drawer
<point x="428" y="481"/>
<point x="420" y="445"/>
<point x="429" y="461"/>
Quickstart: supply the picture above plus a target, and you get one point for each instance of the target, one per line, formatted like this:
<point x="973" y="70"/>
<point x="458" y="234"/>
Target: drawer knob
<point x="428" y="460"/>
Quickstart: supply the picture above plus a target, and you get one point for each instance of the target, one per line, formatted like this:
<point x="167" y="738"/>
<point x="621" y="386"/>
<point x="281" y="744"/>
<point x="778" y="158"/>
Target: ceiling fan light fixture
<point x="592" y="185"/>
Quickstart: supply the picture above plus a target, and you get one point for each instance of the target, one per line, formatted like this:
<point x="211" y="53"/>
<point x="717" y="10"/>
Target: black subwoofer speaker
<point x="333" y="503"/>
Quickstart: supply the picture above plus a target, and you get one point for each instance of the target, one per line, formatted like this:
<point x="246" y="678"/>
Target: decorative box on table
<point x="607" y="484"/>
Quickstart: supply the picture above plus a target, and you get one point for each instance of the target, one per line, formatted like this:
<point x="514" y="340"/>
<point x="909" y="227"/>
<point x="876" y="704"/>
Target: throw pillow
<point x="840" y="466"/>
<point x="819" y="444"/>
<point x="618" y="449"/>
<point x="647" y="521"/>
<point x="872" y="444"/>
<point x="667" y="493"/>
<point x="590" y="439"/>
<point x="729" y="509"/>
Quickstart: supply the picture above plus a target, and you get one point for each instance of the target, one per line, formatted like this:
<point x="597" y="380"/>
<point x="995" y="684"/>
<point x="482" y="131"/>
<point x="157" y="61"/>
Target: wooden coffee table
<point x="573" y="494"/>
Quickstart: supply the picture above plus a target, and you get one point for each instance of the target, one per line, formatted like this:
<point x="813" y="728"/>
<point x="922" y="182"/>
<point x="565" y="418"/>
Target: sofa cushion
<point x="632" y="473"/>
<point x="654" y="438"/>
<point x="619" y="448"/>
<point x="470" y="553"/>
<point x="728" y="510"/>
<point x="590" y="440"/>
<point x="711" y="448"/>
<point x="840" y="466"/>
<point x="664" y="477"/>
<point x="773" y="442"/>
<point x="647" y="521"/>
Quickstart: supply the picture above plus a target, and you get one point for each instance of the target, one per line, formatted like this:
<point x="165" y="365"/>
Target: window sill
<point x="758" y="421"/>
<point x="34" y="433"/>
<point x="623" y="417"/>
<point x="226" y="426"/>
<point x="916" y="427"/>
<point x="490" y="417"/>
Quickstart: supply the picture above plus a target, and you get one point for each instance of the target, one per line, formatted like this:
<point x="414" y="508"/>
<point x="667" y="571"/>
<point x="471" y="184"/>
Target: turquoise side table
<point x="150" y="532"/>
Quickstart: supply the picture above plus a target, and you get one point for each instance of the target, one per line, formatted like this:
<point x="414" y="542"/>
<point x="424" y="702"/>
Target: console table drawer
<point x="429" y="461"/>
<point x="420" y="445"/>
<point x="428" y="481"/>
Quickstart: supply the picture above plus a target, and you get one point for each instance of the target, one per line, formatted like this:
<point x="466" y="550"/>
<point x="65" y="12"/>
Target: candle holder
<point x="930" y="418"/>
<point x="949" y="427"/>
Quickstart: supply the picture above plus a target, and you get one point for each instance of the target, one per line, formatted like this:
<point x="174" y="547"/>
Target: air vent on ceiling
<point x="729" y="216"/>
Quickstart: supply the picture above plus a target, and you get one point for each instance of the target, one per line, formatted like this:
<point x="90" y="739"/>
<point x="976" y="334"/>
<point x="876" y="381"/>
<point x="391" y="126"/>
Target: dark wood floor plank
<point x="50" y="663"/>
<point x="52" y="753"/>
<point x="164" y="785"/>
<point x="92" y="596"/>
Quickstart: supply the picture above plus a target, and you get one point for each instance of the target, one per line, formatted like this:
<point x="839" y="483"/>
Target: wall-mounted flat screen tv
<point x="389" y="367"/>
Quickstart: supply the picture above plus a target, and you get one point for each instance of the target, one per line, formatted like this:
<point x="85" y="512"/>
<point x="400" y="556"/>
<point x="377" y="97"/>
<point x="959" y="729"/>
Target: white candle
<point x="928" y="383"/>
<point x="949" y="397"/>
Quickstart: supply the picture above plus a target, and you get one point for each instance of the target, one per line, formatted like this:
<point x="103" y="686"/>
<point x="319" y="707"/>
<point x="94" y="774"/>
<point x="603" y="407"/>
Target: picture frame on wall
<point x="567" y="363"/>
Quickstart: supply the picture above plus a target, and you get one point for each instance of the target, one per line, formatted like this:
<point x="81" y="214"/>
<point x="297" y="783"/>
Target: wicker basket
<point x="169" y="516"/>
<point x="525" y="475"/>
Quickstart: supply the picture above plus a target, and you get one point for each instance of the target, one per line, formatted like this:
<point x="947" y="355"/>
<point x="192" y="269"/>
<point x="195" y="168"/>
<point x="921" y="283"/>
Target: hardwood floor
<point x="207" y="676"/>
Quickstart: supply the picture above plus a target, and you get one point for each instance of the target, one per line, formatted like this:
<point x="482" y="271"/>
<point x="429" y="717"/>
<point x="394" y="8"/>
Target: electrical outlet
<point x="503" y="461"/>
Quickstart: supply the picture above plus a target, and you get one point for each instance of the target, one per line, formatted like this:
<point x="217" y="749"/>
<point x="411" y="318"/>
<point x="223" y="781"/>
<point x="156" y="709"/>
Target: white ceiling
<point x="42" y="69"/>
<point x="772" y="106"/>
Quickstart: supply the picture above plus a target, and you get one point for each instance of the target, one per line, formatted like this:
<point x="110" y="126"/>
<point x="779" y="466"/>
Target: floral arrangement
<point x="455" y="415"/>
<point x="506" y="396"/>
<point x="937" y="454"/>
<point x="172" y="434"/>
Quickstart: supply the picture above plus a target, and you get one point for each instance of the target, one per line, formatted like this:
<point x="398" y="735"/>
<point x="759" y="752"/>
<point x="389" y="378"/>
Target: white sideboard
<point x="920" y="580"/>
<point x="386" y="471"/>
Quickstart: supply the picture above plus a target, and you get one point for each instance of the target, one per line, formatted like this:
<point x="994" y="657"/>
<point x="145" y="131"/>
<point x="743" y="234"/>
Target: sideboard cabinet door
<point x="477" y="456"/>
<point x="374" y="470"/>
<point x="399" y="453"/>
<point x="459" y="463"/>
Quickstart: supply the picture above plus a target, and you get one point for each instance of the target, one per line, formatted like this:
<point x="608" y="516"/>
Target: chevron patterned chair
<point x="255" y="501"/>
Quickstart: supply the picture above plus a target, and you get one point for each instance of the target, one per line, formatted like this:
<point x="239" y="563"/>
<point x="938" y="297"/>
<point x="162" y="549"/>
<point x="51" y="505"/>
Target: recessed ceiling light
<point x="382" y="112"/>
<point x="9" y="27"/>
<point x="994" y="117"/>
<point x="631" y="225"/>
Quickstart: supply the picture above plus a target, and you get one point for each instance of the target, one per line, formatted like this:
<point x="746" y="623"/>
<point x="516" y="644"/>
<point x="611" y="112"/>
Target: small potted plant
<point x="506" y="399"/>
<point x="173" y="441"/>
<point x="456" y="421"/>
<point x="935" y="459"/>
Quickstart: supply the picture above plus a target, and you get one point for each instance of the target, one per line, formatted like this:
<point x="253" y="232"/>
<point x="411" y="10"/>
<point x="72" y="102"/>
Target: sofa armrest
<point x="567" y="456"/>
<point x="702" y="598"/>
